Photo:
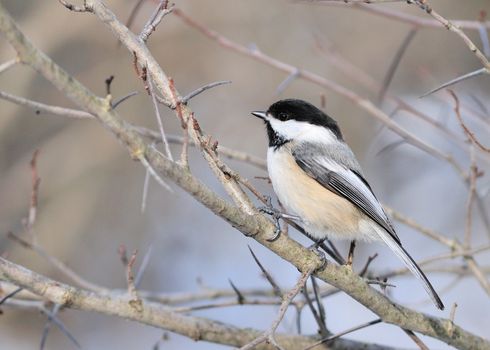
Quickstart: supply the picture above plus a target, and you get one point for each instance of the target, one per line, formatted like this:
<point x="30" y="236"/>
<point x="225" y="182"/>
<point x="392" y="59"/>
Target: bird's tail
<point x="413" y="267"/>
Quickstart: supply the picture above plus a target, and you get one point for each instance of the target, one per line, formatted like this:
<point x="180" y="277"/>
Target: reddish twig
<point x="471" y="136"/>
<point x="35" y="182"/>
<point x="403" y="17"/>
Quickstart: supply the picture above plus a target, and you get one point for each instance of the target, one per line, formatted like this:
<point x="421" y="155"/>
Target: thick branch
<point x="151" y="313"/>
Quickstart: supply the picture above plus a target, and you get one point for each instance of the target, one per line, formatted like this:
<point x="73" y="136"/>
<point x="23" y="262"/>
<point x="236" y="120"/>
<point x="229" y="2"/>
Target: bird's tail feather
<point x="413" y="267"/>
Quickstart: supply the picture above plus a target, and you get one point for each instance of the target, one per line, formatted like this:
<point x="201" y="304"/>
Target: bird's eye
<point x="282" y="116"/>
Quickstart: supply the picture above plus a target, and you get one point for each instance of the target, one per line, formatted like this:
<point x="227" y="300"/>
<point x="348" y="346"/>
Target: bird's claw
<point x="323" y="260"/>
<point x="276" y="215"/>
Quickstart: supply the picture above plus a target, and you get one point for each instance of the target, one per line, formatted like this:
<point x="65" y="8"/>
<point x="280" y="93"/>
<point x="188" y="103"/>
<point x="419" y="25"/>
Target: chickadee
<point x="318" y="179"/>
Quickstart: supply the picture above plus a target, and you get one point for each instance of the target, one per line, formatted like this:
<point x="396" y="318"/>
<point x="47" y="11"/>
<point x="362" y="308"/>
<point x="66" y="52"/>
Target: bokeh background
<point x="91" y="191"/>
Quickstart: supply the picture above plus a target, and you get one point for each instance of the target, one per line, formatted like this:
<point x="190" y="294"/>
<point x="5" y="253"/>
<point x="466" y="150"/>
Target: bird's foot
<point x="276" y="215"/>
<point x="315" y="248"/>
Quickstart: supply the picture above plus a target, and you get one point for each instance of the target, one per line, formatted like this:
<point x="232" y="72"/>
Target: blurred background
<point x="90" y="194"/>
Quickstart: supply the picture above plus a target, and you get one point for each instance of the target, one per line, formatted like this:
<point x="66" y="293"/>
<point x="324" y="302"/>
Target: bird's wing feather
<point x="346" y="183"/>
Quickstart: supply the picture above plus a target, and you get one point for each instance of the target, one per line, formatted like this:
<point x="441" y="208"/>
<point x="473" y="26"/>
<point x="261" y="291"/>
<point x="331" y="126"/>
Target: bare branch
<point x="57" y="264"/>
<point x="425" y="6"/>
<point x="471" y="136"/>
<point x="160" y="12"/>
<point x="341" y="334"/>
<point x="123" y="98"/>
<point x="143" y="266"/>
<point x="146" y="185"/>
<point x="240" y="297"/>
<point x="35" y="182"/>
<point x="269" y="335"/>
<point x="267" y="275"/>
<point x="7" y="65"/>
<point x="457" y="80"/>
<point x="152" y="313"/>
<point x="159" y="120"/>
<point x="395" y="62"/>
<point x="200" y="90"/>
<point x="10" y="295"/>
<point x="416" y="340"/>
<point x="41" y="107"/>
<point x="482" y="31"/>
<point x="328" y="84"/>
<point x="366" y="266"/>
<point x="404" y="17"/>
<point x="74" y="8"/>
<point x="153" y="173"/>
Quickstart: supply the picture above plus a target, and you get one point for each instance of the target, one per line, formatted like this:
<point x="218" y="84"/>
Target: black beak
<point x="259" y="114"/>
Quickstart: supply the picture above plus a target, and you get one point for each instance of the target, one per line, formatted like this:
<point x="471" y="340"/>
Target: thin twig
<point x="154" y="174"/>
<point x="395" y="62"/>
<point x="482" y="31"/>
<point x="144" y="264"/>
<point x="146" y="185"/>
<point x="160" y="12"/>
<point x="452" y="315"/>
<point x="322" y="328"/>
<point x="47" y="326"/>
<point x="133" y="13"/>
<point x="416" y="339"/>
<point x="10" y="295"/>
<point x="52" y="318"/>
<point x="425" y="6"/>
<point x="58" y="264"/>
<point x="286" y="82"/>
<point x="319" y="303"/>
<point x="7" y="65"/>
<point x="328" y="84"/>
<point x="347" y="331"/>
<point x="74" y="8"/>
<point x="457" y="80"/>
<point x="366" y="266"/>
<point x="123" y="98"/>
<point x="130" y="276"/>
<point x="159" y="119"/>
<point x="471" y="136"/>
<point x="222" y="150"/>
<point x="403" y="17"/>
<point x="270" y="333"/>
<point x="200" y="90"/>
<point x="239" y="294"/>
<point x="35" y="182"/>
<point x="267" y="275"/>
<point x="41" y="107"/>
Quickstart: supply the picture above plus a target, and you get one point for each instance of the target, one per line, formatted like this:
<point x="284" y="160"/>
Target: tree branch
<point x="255" y="225"/>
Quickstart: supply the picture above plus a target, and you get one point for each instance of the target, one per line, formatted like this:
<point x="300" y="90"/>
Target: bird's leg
<point x="350" y="257"/>
<point x="276" y="215"/>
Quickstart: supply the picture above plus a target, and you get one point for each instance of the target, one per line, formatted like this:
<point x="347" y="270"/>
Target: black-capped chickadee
<point x="318" y="179"/>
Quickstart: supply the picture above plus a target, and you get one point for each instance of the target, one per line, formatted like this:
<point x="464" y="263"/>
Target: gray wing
<point x="338" y="171"/>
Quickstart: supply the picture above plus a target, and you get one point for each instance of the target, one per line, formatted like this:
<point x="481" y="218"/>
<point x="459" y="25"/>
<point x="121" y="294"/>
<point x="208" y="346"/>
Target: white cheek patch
<point x="301" y="131"/>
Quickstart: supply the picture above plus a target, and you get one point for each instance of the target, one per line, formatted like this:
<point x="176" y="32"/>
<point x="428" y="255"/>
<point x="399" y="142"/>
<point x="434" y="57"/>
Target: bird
<point x="319" y="181"/>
